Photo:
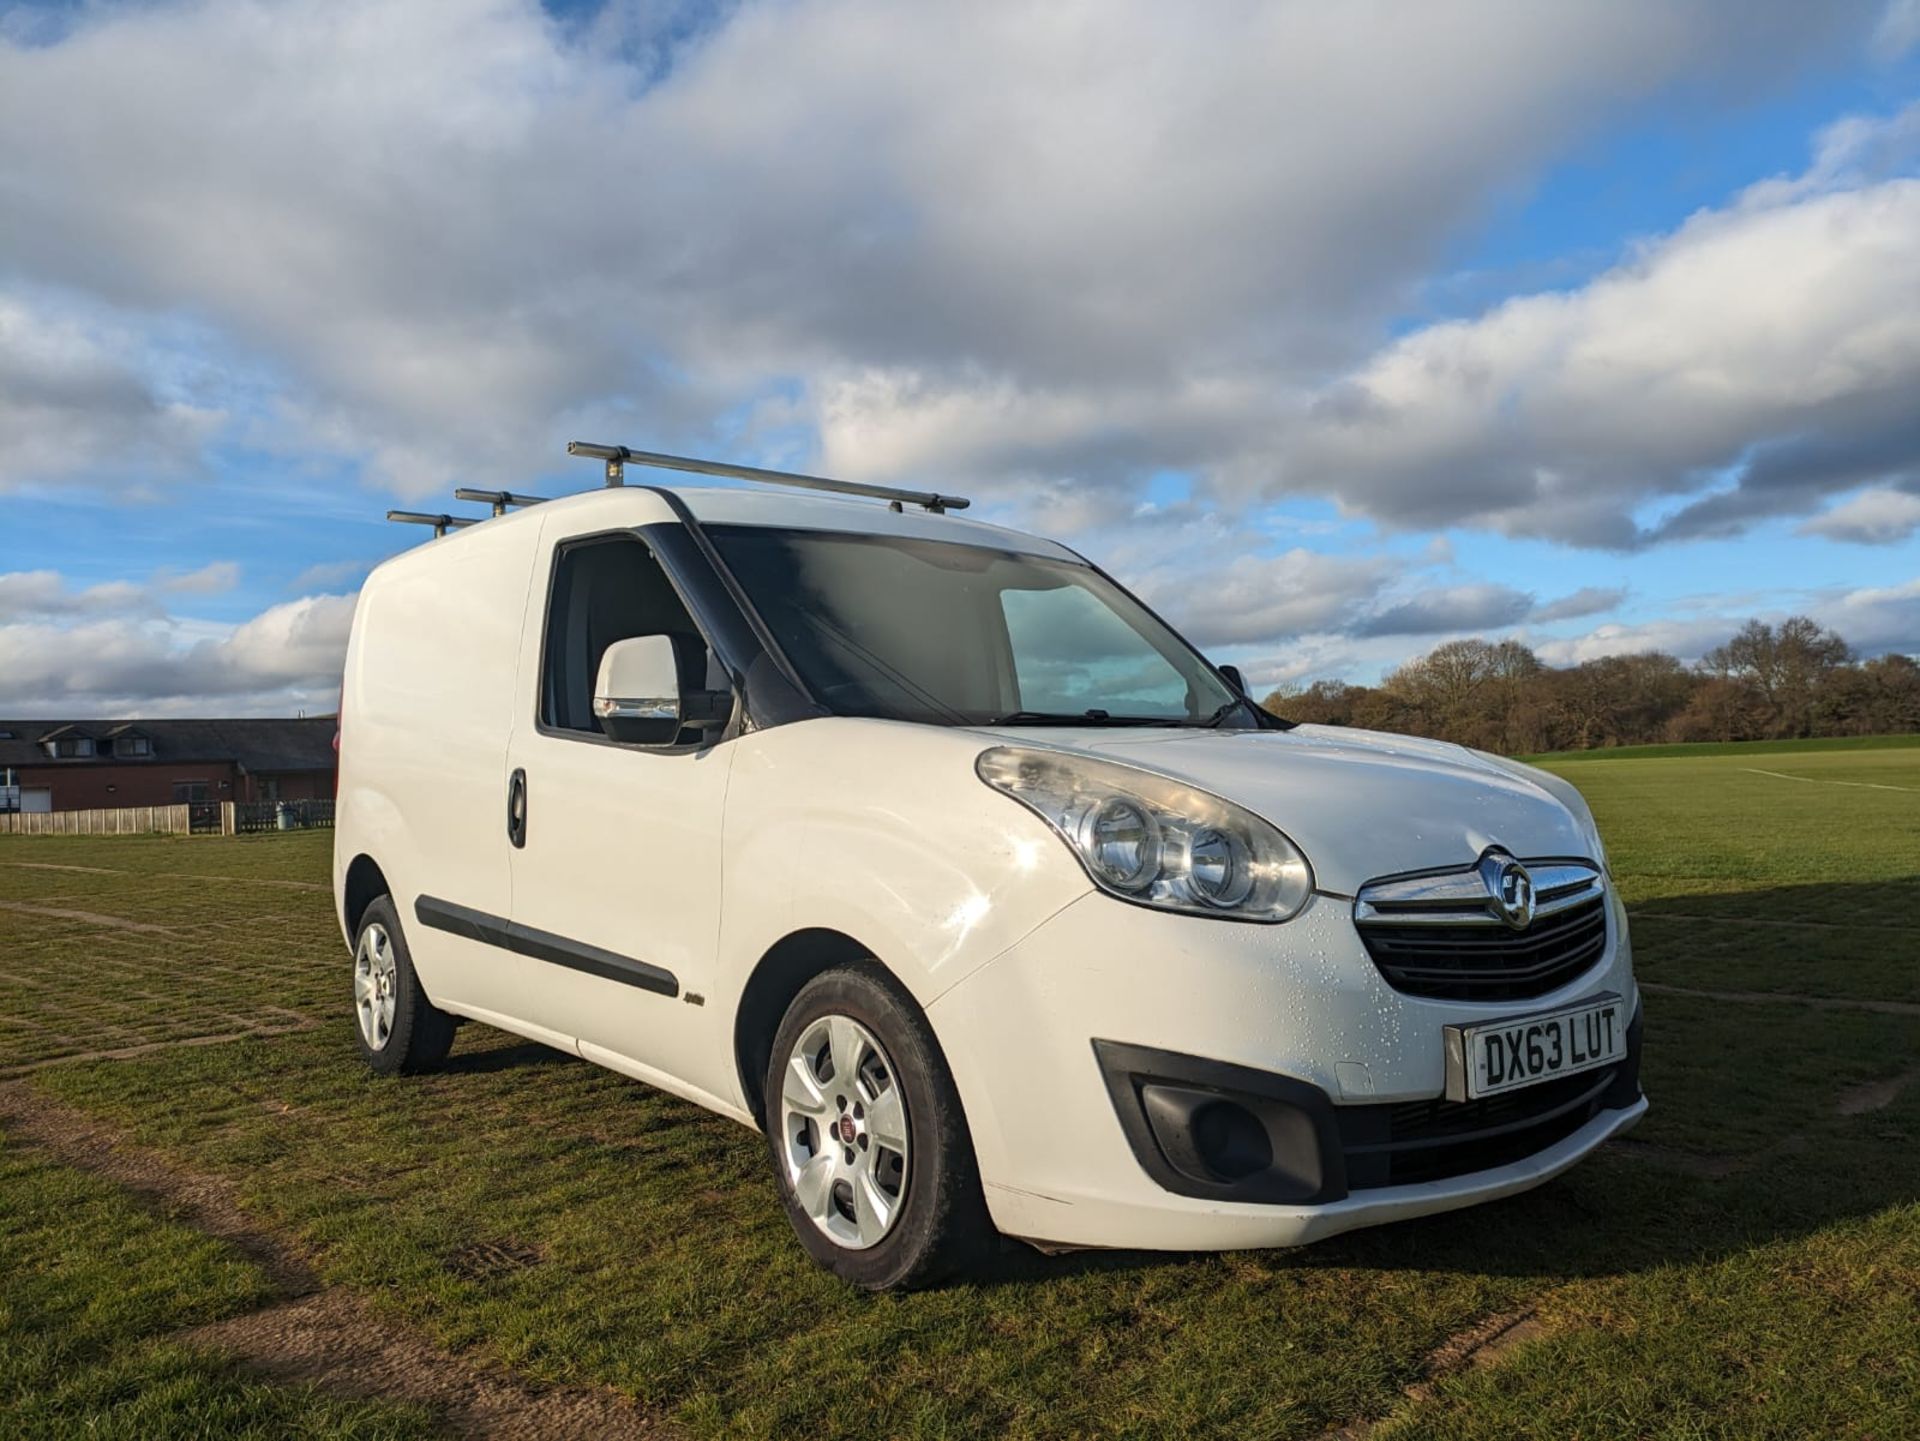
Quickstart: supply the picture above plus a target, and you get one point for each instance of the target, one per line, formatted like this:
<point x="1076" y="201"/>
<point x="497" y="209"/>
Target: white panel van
<point x="925" y="848"/>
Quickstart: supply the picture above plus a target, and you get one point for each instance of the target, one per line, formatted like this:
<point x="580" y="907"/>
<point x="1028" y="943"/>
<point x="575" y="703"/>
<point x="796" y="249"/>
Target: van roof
<point x="741" y="505"/>
<point x="751" y="505"/>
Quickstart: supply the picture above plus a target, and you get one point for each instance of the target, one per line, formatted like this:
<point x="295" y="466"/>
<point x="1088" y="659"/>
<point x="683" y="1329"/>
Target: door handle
<point x="517" y="808"/>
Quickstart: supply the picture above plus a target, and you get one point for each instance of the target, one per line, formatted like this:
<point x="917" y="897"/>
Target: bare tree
<point x="1786" y="666"/>
<point x="1792" y="679"/>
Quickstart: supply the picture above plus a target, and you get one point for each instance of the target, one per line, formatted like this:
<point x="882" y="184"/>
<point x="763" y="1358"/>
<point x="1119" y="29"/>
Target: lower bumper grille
<point x="1453" y="1145"/>
<point x="1230" y="1133"/>
<point x="1434" y="1140"/>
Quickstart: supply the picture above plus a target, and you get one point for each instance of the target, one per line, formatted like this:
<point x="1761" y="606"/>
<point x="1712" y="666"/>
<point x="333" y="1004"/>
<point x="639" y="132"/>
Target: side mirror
<point x="1234" y="678"/>
<point x="636" y="698"/>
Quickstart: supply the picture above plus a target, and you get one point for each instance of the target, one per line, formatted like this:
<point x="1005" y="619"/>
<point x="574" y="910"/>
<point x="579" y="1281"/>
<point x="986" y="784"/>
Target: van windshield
<point x="922" y="630"/>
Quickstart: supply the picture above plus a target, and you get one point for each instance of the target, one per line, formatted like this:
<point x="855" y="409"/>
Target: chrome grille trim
<point x="1459" y="897"/>
<point x="1442" y="934"/>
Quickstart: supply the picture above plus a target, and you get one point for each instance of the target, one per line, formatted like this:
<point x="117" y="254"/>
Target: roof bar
<point x="619" y="456"/>
<point x="498" y="499"/>
<point x="441" y="523"/>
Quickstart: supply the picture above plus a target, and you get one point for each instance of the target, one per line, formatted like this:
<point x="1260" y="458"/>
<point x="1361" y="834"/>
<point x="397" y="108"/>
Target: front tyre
<point x="869" y="1143"/>
<point x="398" y="1027"/>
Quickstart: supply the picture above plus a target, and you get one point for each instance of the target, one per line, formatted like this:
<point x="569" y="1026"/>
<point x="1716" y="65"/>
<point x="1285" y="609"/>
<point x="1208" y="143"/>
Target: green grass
<point x="1697" y="749"/>
<point x="233" y="953"/>
<point x="1747" y="1267"/>
<point x="1806" y="1338"/>
<point x="91" y="1286"/>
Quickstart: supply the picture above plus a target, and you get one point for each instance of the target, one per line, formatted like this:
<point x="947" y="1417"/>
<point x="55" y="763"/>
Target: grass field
<point x="1697" y="750"/>
<point x="1746" y="1264"/>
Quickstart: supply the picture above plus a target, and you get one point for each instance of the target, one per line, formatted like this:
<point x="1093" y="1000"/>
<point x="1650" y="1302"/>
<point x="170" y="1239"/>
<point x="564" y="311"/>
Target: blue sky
<point x="1337" y="333"/>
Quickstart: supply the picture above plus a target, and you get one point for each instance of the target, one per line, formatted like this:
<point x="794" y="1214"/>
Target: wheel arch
<point x="365" y="883"/>
<point x="777" y="978"/>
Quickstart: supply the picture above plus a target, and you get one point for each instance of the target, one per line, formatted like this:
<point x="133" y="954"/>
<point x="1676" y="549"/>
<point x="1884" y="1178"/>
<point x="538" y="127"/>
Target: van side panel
<point x="427" y="710"/>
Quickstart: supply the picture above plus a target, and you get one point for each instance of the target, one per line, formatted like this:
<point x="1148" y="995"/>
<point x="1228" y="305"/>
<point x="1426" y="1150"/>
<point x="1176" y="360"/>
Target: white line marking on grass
<point x="244" y="880"/>
<point x="1823" y="781"/>
<point x="92" y="918"/>
<point x="173" y="875"/>
<point x="147" y="1048"/>
<point x="50" y="866"/>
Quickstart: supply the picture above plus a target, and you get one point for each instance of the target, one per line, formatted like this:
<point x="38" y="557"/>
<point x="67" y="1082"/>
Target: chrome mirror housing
<point x="637" y="697"/>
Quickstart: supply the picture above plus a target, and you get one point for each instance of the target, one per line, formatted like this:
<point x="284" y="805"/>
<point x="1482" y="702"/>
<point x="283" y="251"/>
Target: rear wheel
<point x="398" y="1027"/>
<point x="868" y="1139"/>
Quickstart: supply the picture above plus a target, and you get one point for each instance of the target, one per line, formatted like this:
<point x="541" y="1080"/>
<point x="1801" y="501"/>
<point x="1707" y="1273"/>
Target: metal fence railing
<point x="251" y="817"/>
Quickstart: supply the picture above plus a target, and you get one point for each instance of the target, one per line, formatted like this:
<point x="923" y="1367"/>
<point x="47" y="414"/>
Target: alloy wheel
<point x="845" y="1132"/>
<point x="376" y="985"/>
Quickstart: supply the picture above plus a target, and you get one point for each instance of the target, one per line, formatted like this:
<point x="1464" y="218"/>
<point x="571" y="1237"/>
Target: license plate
<point x="1496" y="1056"/>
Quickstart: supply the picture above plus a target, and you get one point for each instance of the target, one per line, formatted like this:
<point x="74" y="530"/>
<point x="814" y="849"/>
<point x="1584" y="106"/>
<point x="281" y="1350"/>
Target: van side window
<point x="607" y="589"/>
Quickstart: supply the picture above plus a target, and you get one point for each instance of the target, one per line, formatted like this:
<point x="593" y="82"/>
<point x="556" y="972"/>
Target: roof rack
<point x="441" y="523"/>
<point x="618" y="457"/>
<point x="498" y="499"/>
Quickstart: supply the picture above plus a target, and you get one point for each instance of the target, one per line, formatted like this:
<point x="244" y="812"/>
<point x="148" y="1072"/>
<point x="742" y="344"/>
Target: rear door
<point x="616" y="874"/>
<point x="427" y="706"/>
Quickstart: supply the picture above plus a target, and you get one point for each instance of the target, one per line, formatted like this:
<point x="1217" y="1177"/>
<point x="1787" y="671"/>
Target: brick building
<point x="52" y="765"/>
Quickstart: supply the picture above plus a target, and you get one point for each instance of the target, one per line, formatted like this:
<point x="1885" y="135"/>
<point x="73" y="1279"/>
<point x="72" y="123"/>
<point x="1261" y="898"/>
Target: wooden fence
<point x="121" y="821"/>
<point x="199" y="818"/>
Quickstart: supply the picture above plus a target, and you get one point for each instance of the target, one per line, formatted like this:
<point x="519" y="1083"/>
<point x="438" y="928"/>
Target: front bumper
<point x="1064" y="1046"/>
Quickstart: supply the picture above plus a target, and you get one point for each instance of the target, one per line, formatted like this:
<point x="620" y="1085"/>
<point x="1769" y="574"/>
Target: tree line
<point x="1767" y="682"/>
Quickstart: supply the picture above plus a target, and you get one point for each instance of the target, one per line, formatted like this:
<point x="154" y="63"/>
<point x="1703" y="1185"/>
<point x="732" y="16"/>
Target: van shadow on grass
<point x="516" y="1056"/>
<point x="1770" y="1119"/>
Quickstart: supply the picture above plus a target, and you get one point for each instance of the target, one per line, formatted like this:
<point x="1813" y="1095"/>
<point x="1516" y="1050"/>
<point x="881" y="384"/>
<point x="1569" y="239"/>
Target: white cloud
<point x="444" y="238"/>
<point x="1873" y="517"/>
<point x="330" y="573"/>
<point x="1255" y="598"/>
<point x="1477" y="606"/>
<point x="1588" y="600"/>
<point x="1873" y="619"/>
<point x="210" y="579"/>
<point x="286" y="658"/>
<point x="1687" y="638"/>
<point x="454" y="233"/>
<point x="46" y="594"/>
<point x="1760" y="358"/>
<point x="82" y="394"/>
<point x="1898" y="30"/>
<point x="36" y="594"/>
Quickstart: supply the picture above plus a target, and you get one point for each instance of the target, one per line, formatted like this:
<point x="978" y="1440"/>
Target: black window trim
<point x="719" y="605"/>
<point x="730" y="584"/>
<point x="1263" y="718"/>
<point x="636" y="535"/>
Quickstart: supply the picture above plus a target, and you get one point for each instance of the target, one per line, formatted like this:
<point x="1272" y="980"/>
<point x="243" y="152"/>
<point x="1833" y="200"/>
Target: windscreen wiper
<point x="1219" y="717"/>
<point x="1081" y="718"/>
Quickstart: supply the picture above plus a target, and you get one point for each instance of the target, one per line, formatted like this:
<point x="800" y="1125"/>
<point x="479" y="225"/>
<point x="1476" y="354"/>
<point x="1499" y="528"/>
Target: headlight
<point x="1146" y="838"/>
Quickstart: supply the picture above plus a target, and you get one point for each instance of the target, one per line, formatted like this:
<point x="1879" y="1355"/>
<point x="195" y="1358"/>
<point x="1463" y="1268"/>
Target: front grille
<point x="1488" y="963"/>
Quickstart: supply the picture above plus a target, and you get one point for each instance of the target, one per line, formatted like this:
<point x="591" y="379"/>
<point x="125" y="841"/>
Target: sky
<point x="1335" y="331"/>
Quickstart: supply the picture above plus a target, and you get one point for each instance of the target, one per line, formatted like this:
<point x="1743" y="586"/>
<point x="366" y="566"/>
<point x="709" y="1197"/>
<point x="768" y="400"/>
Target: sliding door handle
<point x="517" y="808"/>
